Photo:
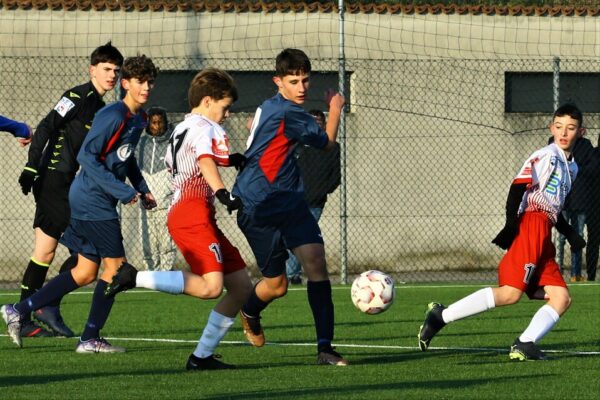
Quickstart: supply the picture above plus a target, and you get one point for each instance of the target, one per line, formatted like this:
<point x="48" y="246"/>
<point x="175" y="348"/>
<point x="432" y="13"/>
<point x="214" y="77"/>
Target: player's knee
<point x="84" y="279"/>
<point x="213" y="291"/>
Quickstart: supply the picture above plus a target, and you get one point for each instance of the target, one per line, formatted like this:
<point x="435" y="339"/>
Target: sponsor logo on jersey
<point x="63" y="106"/>
<point x="124" y="151"/>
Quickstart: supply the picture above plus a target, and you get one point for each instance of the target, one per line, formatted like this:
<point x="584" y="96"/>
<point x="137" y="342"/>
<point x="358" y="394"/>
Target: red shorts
<point x="529" y="263"/>
<point x="193" y="227"/>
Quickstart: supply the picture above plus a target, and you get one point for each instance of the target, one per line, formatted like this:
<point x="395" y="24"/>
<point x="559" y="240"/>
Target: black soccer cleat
<point x="209" y="363"/>
<point x="50" y="316"/>
<point x="525" y="351"/>
<point x="123" y="280"/>
<point x="328" y="356"/>
<point x="432" y="325"/>
<point x="32" y="329"/>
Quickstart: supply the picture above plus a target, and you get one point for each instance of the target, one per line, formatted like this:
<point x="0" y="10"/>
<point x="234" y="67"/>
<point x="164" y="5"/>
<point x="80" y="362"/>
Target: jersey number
<point x="529" y="270"/>
<point x="175" y="143"/>
<point x="216" y="248"/>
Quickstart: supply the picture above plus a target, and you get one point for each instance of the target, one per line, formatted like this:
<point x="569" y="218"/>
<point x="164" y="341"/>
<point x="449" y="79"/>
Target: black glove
<point x="27" y="178"/>
<point x="506" y="236"/>
<point x="576" y="241"/>
<point x="229" y="200"/>
<point x="237" y="160"/>
<point x="147" y="203"/>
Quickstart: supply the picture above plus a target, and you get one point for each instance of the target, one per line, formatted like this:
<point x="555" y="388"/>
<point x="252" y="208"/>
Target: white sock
<point x="543" y="320"/>
<point x="163" y="281"/>
<point x="216" y="327"/>
<point x="475" y="303"/>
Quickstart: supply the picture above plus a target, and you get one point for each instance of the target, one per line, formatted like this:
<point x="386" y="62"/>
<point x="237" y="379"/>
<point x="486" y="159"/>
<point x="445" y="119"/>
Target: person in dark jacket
<point x="593" y="217"/>
<point x="320" y="172"/>
<point x="578" y="204"/>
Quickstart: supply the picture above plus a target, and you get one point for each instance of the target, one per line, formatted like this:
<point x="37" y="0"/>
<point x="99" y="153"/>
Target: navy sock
<point x="321" y="304"/>
<point x="254" y="305"/>
<point x="68" y="265"/>
<point x="99" y="311"/>
<point x="56" y="288"/>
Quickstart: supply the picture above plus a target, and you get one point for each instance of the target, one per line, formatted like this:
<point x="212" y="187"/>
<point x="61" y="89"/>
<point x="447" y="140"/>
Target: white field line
<point x="303" y="288"/>
<point x="347" y="345"/>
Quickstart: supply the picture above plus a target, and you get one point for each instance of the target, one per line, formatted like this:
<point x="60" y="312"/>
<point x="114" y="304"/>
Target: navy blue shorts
<point x="270" y="237"/>
<point x="94" y="240"/>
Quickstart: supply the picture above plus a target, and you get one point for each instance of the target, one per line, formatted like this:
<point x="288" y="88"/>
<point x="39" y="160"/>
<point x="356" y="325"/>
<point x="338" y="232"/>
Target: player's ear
<point x="277" y="80"/>
<point x="125" y="84"/>
<point x="581" y="131"/>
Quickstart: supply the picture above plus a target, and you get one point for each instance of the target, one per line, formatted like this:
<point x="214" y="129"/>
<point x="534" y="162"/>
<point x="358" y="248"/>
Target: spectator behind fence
<point x="593" y="217"/>
<point x="320" y="170"/>
<point x="19" y="130"/>
<point x="578" y="204"/>
<point x="535" y="201"/>
<point x="157" y="245"/>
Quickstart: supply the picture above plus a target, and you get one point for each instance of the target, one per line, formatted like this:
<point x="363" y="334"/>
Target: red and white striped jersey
<point x="192" y="139"/>
<point x="549" y="177"/>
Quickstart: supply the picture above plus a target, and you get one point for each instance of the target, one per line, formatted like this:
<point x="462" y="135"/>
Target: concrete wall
<point x="430" y="151"/>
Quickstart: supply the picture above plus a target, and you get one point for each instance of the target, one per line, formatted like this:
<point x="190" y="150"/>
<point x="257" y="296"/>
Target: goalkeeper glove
<point x="27" y="178"/>
<point x="506" y="236"/>
<point x="237" y="160"/>
<point x="229" y="200"/>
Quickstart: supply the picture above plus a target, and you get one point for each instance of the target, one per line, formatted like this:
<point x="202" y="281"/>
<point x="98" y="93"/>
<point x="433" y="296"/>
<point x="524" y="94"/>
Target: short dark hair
<point x="292" y="62"/>
<point x="212" y="82"/>
<point x="156" y="110"/>
<point x="139" y="67"/>
<point x="571" y="110"/>
<point x="106" y="53"/>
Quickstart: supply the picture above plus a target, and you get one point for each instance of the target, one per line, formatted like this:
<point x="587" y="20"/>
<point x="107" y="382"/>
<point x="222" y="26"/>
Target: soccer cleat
<point x="524" y="351"/>
<point x="253" y="330"/>
<point x="124" y="279"/>
<point x="50" y="316"/>
<point x="432" y="325"/>
<point x="13" y="323"/>
<point x="328" y="356"/>
<point x="209" y="363"/>
<point x="31" y="329"/>
<point x="100" y="345"/>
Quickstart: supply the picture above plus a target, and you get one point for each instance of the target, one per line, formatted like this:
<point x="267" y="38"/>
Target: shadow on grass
<point x="372" y="389"/>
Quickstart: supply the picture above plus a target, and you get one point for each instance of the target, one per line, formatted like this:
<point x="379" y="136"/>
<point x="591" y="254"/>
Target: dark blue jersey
<point x="270" y="183"/>
<point x="107" y="158"/>
<point x="18" y="129"/>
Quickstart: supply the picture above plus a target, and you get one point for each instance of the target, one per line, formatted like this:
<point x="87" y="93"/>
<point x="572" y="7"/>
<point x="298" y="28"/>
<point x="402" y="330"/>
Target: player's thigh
<point x="267" y="245"/>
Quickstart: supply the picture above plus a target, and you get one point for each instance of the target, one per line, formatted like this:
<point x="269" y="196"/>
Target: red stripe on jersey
<point x="274" y="156"/>
<point x="522" y="180"/>
<point x="115" y="136"/>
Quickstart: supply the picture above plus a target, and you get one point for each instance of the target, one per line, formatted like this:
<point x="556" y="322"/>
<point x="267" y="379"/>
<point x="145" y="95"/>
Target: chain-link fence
<point x="428" y="154"/>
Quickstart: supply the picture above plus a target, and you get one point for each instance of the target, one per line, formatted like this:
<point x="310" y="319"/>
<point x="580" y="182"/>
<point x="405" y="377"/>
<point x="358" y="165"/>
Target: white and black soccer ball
<point x="373" y="292"/>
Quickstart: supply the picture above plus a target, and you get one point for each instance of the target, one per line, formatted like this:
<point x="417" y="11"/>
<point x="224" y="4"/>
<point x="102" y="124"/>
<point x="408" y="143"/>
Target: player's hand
<point x="576" y="241"/>
<point x="229" y="200"/>
<point x="25" y="141"/>
<point x="27" y="178"/>
<point x="133" y="200"/>
<point x="237" y="160"/>
<point x="148" y="201"/>
<point x="506" y="236"/>
<point x="334" y="100"/>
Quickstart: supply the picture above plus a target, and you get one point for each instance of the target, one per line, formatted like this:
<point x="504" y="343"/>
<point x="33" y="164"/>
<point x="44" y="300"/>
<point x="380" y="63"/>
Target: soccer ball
<point x="373" y="292"/>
